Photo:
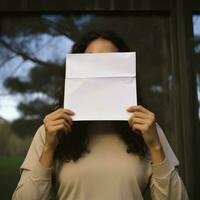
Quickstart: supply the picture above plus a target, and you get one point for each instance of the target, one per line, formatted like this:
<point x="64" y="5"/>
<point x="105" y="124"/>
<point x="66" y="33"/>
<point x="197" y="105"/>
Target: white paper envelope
<point x="100" y="86"/>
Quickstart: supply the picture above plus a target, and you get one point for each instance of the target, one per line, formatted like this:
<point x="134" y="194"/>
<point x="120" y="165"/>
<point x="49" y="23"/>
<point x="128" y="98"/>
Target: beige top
<point x="107" y="173"/>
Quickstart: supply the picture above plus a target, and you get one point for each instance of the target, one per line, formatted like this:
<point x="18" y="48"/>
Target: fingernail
<point x="72" y="112"/>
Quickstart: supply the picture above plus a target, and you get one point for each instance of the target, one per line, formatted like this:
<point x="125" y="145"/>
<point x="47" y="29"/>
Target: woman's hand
<point x="59" y="120"/>
<point x="144" y="122"/>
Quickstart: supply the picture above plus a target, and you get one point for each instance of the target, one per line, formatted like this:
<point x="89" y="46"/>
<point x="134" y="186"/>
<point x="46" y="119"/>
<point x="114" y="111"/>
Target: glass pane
<point x="196" y="61"/>
<point x="32" y="55"/>
<point x="196" y="65"/>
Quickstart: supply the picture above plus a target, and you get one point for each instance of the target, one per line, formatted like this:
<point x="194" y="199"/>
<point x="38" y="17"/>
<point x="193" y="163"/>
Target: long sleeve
<point x="35" y="181"/>
<point x="165" y="183"/>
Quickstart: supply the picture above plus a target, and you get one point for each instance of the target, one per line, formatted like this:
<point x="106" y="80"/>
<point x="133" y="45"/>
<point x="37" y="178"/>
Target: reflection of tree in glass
<point x="35" y="40"/>
<point x="196" y="30"/>
<point x="31" y="39"/>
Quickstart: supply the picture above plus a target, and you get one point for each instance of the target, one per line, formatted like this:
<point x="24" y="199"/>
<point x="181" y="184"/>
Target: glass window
<point x="196" y="65"/>
<point x="32" y="58"/>
<point x="196" y="60"/>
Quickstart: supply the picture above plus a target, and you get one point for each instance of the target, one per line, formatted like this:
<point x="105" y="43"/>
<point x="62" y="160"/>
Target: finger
<point x="67" y="111"/>
<point x="53" y="113"/>
<point x="68" y="126"/>
<point x="60" y="121"/>
<point x="133" y="116"/>
<point x="59" y="127"/>
<point x="141" y="115"/>
<point x="149" y="117"/>
<point x="61" y="110"/>
<point x="137" y="108"/>
<point x="135" y="130"/>
<point x="61" y="116"/>
<point x="129" y="121"/>
<point x="136" y="120"/>
<point x="139" y="127"/>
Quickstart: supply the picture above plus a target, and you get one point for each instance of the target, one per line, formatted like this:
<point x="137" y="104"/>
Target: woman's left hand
<point x="144" y="121"/>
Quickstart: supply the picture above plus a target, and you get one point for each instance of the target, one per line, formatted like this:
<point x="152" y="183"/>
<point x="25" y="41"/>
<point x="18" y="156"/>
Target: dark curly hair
<point x="74" y="145"/>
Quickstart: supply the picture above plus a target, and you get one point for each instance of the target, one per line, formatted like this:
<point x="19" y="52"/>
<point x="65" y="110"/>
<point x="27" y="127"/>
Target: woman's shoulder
<point x="38" y="140"/>
<point x="40" y="133"/>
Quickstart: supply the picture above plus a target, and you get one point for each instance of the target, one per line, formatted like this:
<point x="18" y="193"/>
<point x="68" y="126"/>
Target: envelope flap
<point x="117" y="64"/>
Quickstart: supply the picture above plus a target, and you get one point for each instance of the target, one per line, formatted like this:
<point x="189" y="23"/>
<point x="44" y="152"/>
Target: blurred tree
<point x="43" y="81"/>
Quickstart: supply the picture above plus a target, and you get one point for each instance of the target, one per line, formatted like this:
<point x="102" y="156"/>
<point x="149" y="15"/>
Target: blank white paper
<point x="100" y="86"/>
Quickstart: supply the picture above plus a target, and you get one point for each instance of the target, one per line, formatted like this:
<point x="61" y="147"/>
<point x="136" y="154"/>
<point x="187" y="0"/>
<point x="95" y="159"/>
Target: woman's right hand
<point x="55" y="122"/>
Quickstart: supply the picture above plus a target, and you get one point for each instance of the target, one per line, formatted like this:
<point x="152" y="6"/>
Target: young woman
<point x="99" y="160"/>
